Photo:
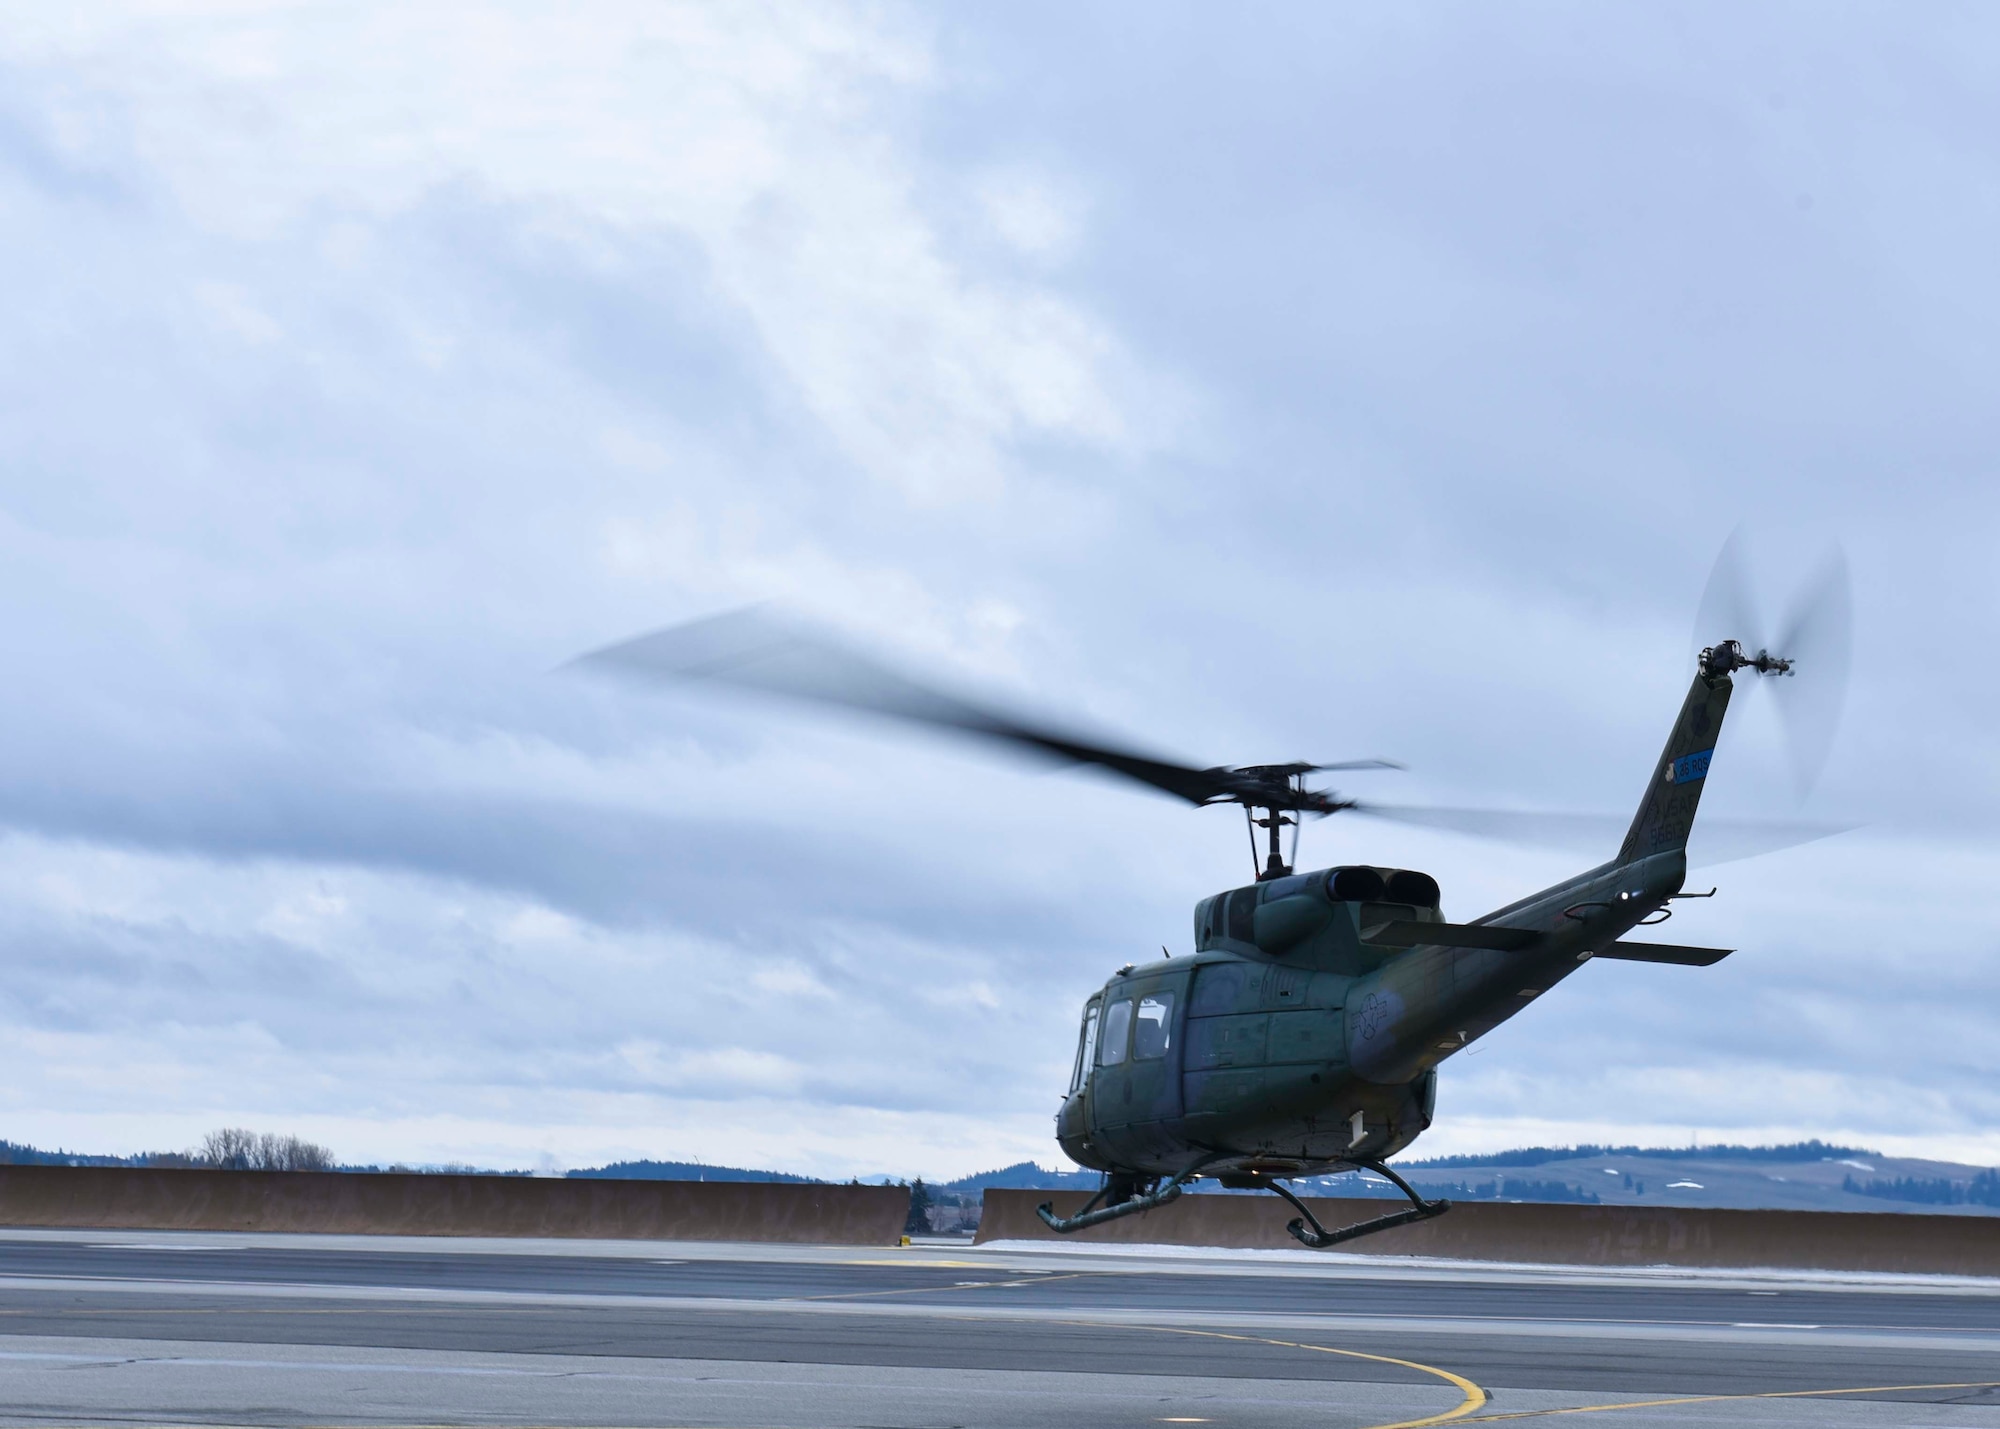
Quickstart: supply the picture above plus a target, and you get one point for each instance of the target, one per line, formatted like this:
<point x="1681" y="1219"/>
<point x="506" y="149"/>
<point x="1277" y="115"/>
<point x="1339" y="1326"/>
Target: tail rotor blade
<point x="1727" y="610"/>
<point x="1818" y="638"/>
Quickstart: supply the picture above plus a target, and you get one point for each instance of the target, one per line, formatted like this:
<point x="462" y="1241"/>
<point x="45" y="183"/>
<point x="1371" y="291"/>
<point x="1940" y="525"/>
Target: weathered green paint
<point x="1290" y="1031"/>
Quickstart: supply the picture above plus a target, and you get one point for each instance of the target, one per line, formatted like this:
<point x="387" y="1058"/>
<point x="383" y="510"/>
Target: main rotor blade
<point x="1727" y="610"/>
<point x="1818" y="637"/>
<point x="1715" y="840"/>
<point x="758" y="650"/>
<point x="1583" y="833"/>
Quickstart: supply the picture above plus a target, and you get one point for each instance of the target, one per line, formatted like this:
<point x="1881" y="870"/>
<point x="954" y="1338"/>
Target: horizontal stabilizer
<point x="1673" y="953"/>
<point x="1409" y="933"/>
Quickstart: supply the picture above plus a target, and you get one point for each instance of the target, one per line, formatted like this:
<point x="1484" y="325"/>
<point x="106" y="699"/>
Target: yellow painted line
<point x="1719" y="1399"/>
<point x="1474" y="1395"/>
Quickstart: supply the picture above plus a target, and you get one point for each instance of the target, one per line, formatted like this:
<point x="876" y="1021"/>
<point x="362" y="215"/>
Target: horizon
<point x="1800" y="1150"/>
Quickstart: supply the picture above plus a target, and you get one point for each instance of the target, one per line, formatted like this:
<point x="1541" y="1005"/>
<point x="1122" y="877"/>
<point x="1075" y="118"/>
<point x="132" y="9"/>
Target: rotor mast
<point x="1275" y="820"/>
<point x="1277" y="792"/>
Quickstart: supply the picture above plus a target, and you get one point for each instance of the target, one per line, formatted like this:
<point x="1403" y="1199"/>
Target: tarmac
<point x="231" y="1328"/>
<point x="1541" y="1233"/>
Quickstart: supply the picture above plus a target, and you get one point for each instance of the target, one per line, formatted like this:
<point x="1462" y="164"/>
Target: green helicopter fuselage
<point x="1305" y="1033"/>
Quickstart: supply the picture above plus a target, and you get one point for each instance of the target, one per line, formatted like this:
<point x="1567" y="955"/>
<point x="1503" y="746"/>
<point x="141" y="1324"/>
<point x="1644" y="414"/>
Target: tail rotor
<point x="1812" y="650"/>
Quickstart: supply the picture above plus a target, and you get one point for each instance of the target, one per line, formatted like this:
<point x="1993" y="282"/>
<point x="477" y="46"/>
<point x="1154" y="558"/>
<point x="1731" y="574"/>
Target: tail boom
<point x="1432" y="1001"/>
<point x="1666" y="813"/>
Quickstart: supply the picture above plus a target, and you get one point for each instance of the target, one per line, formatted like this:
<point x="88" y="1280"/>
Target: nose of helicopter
<point x="1073" y="1134"/>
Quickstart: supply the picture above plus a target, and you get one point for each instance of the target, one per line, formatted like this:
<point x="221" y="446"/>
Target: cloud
<point x="1318" y="386"/>
<point x="1031" y="211"/>
<point x="768" y="143"/>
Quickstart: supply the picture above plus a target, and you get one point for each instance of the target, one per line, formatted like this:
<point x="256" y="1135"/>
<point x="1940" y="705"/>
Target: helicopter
<point x="1304" y="1035"/>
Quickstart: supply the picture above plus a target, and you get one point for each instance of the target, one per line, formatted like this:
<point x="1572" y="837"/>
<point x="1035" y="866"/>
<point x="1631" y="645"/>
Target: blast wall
<point x="1547" y="1234"/>
<point x="131" y="1198"/>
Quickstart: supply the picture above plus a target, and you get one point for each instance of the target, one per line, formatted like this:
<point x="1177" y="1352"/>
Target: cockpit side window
<point x="1155" y="1027"/>
<point x="1117" y="1023"/>
<point x="1086" y="1048"/>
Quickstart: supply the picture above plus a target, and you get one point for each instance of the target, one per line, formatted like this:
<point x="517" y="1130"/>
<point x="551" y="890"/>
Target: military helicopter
<point x="1304" y="1035"/>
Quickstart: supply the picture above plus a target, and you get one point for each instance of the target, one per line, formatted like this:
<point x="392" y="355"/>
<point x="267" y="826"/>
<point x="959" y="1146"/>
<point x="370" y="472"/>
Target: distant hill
<point x="1541" y="1155"/>
<point x="14" y="1154"/>
<point x="1804" y="1176"/>
<point x="682" y="1171"/>
<point x="1026" y="1176"/>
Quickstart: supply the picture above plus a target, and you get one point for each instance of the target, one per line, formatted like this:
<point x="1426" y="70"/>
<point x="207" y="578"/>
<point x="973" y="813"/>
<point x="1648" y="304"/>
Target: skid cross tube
<point x="1087" y="1217"/>
<point x="1307" y="1230"/>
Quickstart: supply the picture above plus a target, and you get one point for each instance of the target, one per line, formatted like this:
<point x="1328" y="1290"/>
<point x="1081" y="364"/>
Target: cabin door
<point x="1138" y="1079"/>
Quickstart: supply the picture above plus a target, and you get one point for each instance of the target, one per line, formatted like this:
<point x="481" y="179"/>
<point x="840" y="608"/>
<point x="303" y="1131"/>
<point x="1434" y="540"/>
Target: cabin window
<point x="1155" y="1027"/>
<point x="1117" y="1022"/>
<point x="1086" y="1048"/>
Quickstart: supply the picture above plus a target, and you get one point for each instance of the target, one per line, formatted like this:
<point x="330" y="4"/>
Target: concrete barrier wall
<point x="1552" y="1234"/>
<point x="117" y="1197"/>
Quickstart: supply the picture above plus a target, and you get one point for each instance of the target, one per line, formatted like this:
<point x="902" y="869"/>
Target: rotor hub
<point x="1728" y="656"/>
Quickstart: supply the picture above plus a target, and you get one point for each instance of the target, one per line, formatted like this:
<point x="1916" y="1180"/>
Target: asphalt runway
<point x="128" y="1328"/>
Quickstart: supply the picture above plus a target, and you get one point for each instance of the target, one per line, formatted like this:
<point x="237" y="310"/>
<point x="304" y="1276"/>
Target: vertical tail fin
<point x="1666" y="813"/>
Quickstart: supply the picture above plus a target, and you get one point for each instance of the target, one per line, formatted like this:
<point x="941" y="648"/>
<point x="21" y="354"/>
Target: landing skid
<point x="1087" y="1217"/>
<point x="1307" y="1230"/>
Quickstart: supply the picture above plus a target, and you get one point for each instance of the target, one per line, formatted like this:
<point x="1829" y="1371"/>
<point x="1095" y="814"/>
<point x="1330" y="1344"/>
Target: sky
<point x="1317" y="381"/>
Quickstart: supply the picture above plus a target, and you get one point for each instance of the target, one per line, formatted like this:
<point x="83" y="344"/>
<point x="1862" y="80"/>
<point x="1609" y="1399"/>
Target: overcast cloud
<point x="1323" y="382"/>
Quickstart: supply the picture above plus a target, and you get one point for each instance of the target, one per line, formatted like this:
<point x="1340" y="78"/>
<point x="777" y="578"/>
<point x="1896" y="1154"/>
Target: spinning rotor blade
<point x="1575" y="832"/>
<point x="1716" y="840"/>
<point x="1816" y="640"/>
<point x="1814" y="648"/>
<point x="757" y="650"/>
<point x="1818" y="637"/>
<point x="1727" y="610"/>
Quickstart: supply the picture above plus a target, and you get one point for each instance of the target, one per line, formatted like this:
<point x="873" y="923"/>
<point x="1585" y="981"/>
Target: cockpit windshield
<point x="1086" y="1048"/>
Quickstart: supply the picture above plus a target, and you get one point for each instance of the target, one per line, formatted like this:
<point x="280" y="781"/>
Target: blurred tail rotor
<point x="1818" y="636"/>
<point x="1812" y="649"/>
<point x="1728" y="611"/>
